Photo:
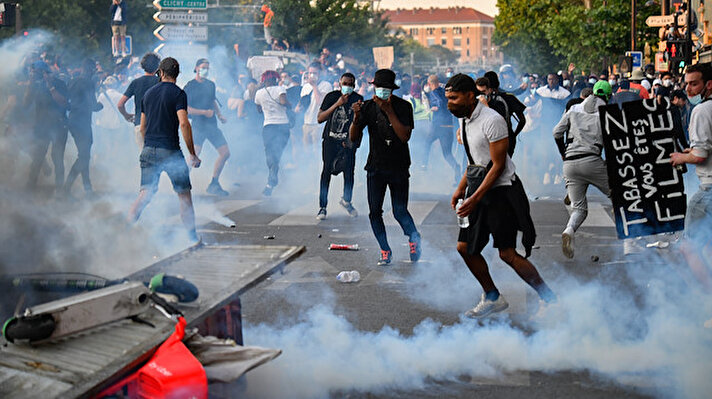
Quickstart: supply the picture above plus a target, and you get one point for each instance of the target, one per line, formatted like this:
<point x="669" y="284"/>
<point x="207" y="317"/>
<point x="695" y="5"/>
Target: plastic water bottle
<point x="352" y="276"/>
<point x="462" y="222"/>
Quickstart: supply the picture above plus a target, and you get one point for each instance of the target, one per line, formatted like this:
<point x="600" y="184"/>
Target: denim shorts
<point x="156" y="160"/>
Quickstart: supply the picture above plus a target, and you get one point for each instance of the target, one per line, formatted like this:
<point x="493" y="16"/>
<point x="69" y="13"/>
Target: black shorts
<point x="495" y="216"/>
<point x="208" y="132"/>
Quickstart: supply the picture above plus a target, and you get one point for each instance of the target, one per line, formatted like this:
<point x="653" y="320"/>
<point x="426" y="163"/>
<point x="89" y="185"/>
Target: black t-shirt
<point x="160" y="105"/>
<point x="441" y="117"/>
<point x="339" y="122"/>
<point x="138" y="89"/>
<point x="201" y="96"/>
<point x="82" y="95"/>
<point x="387" y="151"/>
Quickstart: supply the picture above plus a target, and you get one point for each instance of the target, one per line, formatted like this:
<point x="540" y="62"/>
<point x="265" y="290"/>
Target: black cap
<point x="200" y="61"/>
<point x="461" y="83"/>
<point x="385" y="78"/>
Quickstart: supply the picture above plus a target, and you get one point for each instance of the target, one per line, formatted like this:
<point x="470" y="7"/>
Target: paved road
<point x="373" y="339"/>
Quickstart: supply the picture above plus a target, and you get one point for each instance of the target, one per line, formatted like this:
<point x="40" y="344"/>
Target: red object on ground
<point x="173" y="372"/>
<point x="343" y="247"/>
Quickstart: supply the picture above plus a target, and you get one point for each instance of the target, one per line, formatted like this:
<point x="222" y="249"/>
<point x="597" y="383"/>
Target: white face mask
<point x="566" y="83"/>
<point x="612" y="82"/>
<point x="203" y="72"/>
<point x="667" y="82"/>
<point x="592" y="81"/>
<point x="426" y="89"/>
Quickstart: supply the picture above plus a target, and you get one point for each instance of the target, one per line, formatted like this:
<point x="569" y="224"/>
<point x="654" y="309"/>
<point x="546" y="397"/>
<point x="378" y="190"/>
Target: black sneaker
<point x="322" y="214"/>
<point x="215" y="189"/>
<point x="385" y="258"/>
<point x="415" y="250"/>
<point x="349" y="208"/>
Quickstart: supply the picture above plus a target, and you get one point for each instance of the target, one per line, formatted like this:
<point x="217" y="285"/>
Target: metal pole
<point x="688" y="35"/>
<point x="633" y="4"/>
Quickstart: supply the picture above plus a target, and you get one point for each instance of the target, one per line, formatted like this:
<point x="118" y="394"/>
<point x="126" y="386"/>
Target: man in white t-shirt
<point x="494" y="200"/>
<point x="272" y="102"/>
<point x="316" y="89"/>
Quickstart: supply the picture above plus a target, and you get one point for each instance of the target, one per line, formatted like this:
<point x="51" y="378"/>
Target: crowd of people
<point x="477" y="118"/>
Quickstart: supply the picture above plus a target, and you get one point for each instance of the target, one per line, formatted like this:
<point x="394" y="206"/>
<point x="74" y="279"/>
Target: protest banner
<point x="647" y="192"/>
<point x="383" y="57"/>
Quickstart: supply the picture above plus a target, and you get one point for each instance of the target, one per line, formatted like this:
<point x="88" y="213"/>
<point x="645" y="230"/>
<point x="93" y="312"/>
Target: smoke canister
<point x="343" y="247"/>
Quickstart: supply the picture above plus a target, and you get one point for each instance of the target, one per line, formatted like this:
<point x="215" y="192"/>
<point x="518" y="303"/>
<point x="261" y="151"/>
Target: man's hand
<point x="357" y="107"/>
<point x="222" y="118"/>
<point x="459" y="193"/>
<point x="130" y="117"/>
<point x="208" y="113"/>
<point x="468" y="206"/>
<point x="193" y="161"/>
<point x="459" y="136"/>
<point x="483" y="99"/>
<point x="386" y="105"/>
<point x="686" y="156"/>
<point x="342" y="100"/>
<point x="434" y="109"/>
<point x="571" y="68"/>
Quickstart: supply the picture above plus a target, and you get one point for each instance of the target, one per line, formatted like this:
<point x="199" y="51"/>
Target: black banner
<point x="647" y="191"/>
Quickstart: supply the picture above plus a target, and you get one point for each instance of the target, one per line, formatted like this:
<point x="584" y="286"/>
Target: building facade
<point x="465" y="31"/>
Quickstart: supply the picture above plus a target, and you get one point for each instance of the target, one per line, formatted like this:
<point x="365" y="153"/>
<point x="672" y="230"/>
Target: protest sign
<point x="647" y="192"/>
<point x="383" y="57"/>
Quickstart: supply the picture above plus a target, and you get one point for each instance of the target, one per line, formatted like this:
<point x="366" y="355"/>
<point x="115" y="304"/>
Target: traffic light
<point x="7" y="14"/>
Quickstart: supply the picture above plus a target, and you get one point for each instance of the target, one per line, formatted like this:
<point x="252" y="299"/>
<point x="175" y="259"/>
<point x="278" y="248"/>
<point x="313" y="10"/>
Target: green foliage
<point x="545" y="35"/>
<point x="346" y="26"/>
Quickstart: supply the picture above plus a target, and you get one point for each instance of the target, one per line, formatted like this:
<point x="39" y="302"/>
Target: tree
<point x="346" y="26"/>
<point x="545" y="35"/>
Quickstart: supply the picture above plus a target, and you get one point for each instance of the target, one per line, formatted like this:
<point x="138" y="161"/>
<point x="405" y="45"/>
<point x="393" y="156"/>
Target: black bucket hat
<point x="385" y="78"/>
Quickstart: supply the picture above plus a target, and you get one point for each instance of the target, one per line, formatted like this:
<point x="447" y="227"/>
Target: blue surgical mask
<point x="203" y="72"/>
<point x="383" y="93"/>
<point x="612" y="82"/>
<point x="592" y="81"/>
<point x="532" y="90"/>
<point x="346" y="90"/>
<point x="694" y="100"/>
<point x="448" y="74"/>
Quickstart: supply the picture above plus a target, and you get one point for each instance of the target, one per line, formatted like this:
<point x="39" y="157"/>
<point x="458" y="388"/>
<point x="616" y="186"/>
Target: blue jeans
<point x="397" y="182"/>
<point x="275" y="138"/>
<point x="155" y="160"/>
<point x="699" y="215"/>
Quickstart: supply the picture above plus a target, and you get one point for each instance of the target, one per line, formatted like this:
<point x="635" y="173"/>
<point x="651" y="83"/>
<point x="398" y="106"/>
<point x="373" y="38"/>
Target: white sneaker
<point x="567" y="242"/>
<point x="487" y="307"/>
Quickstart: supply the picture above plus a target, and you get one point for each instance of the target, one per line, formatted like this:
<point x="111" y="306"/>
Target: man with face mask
<point x="494" y="199"/>
<point x="390" y="124"/>
<point x="337" y="151"/>
<point x="583" y="164"/>
<point x="698" y="220"/>
<point x="203" y="107"/>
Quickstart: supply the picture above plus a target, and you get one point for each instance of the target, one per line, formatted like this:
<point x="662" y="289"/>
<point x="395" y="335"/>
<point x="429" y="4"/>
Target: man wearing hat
<point x="635" y="78"/>
<point x="494" y="200"/>
<point x="390" y="123"/>
<point x="203" y="107"/>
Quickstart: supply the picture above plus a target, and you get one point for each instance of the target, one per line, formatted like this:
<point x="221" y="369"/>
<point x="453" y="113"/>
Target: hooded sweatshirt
<point x="584" y="127"/>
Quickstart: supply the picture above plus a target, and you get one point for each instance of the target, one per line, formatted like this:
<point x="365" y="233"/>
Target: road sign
<point x="637" y="57"/>
<point x="181" y="33"/>
<point x="654" y="21"/>
<point x="129" y="44"/>
<point x="180" y="4"/>
<point x="181" y="16"/>
<point x="183" y="52"/>
<point x="661" y="64"/>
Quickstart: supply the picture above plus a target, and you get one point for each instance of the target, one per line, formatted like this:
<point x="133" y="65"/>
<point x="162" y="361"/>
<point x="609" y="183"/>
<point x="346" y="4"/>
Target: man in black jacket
<point x="390" y="123"/>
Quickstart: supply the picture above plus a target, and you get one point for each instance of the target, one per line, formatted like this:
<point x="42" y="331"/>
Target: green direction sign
<point x="180" y="4"/>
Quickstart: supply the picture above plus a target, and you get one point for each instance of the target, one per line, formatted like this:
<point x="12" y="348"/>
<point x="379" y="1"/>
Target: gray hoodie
<point x="584" y="127"/>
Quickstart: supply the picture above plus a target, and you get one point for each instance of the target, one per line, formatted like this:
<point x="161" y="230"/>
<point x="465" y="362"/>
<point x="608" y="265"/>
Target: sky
<point x="488" y="7"/>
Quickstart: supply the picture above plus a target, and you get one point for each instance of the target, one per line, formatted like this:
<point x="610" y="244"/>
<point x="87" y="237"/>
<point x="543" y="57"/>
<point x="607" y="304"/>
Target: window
<point x="431" y="41"/>
<point x="443" y="30"/>
<point x="457" y="42"/>
<point x="443" y="41"/>
<point x="431" y="31"/>
<point x="458" y="53"/>
<point x="457" y="30"/>
<point x="414" y="31"/>
<point x="468" y="53"/>
<point x="468" y="41"/>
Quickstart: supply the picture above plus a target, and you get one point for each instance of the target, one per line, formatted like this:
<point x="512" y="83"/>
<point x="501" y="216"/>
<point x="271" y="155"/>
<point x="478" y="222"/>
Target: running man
<point x="164" y="111"/>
